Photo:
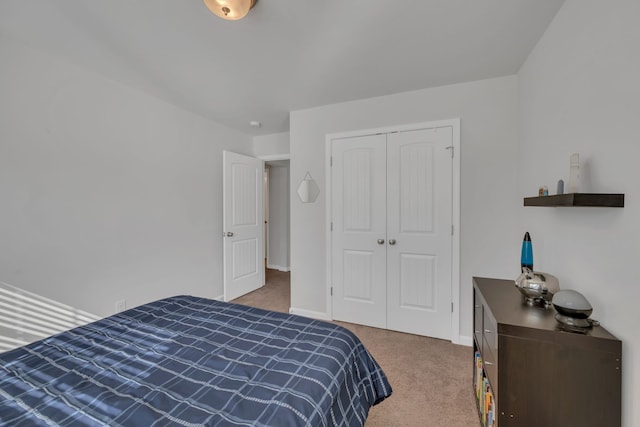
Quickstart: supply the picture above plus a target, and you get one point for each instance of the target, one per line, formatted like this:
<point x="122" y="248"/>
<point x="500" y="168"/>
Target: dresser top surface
<point x="508" y="307"/>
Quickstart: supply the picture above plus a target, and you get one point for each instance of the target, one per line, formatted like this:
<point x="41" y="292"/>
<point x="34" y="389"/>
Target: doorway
<point x="277" y="218"/>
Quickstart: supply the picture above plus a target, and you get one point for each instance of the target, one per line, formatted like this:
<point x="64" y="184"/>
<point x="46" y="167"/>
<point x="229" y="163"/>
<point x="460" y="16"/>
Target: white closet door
<point x="419" y="206"/>
<point x="359" y="222"/>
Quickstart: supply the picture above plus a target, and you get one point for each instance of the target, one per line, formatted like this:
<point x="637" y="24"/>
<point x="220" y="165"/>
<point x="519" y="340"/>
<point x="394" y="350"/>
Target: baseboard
<point x="465" y="340"/>
<point x="279" y="268"/>
<point x="219" y="298"/>
<point x="309" y="313"/>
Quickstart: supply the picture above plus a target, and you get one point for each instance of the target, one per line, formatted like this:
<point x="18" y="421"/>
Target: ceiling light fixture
<point x="231" y="10"/>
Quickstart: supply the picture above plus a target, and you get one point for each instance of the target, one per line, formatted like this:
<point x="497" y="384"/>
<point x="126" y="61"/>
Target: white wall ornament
<point x="308" y="189"/>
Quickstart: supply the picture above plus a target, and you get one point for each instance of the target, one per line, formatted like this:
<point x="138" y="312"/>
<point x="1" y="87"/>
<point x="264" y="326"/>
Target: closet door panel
<point x="419" y="170"/>
<point x="417" y="268"/>
<point x="416" y="182"/>
<point x="359" y="220"/>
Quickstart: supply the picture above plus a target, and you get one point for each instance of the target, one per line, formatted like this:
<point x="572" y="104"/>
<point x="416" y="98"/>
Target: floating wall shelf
<point x="578" y="199"/>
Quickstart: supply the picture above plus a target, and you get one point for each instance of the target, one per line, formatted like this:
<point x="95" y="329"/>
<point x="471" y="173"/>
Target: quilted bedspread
<point x="193" y="362"/>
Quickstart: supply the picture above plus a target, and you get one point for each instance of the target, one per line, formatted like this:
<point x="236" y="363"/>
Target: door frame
<point x="265" y="159"/>
<point x="455" y="209"/>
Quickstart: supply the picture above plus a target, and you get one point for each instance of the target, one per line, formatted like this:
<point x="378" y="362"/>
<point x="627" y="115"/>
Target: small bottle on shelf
<point x="574" y="173"/>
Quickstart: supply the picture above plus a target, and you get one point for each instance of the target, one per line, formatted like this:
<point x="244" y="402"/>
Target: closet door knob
<point x="229" y="234"/>
<point x="381" y="241"/>
<point x="392" y="242"/>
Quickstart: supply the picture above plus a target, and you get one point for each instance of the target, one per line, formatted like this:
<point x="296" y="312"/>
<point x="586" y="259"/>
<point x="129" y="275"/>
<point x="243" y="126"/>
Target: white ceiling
<point x="286" y="54"/>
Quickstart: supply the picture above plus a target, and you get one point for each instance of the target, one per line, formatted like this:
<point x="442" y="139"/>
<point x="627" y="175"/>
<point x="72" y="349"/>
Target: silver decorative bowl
<point x="537" y="287"/>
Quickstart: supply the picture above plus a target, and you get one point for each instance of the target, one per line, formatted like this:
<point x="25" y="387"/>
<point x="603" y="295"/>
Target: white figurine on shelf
<point x="574" y="173"/>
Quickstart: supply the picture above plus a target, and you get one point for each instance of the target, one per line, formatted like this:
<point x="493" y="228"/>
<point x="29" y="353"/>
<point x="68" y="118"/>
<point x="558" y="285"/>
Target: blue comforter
<point x="193" y="362"/>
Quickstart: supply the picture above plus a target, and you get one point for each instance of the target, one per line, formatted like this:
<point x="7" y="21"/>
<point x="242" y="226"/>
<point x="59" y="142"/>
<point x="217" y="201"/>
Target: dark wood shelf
<point x="578" y="199"/>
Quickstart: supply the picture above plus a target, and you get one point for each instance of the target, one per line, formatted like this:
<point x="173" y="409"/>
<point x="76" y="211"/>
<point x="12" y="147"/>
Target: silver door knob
<point x="229" y="234"/>
<point x="392" y="242"/>
<point x="381" y="241"/>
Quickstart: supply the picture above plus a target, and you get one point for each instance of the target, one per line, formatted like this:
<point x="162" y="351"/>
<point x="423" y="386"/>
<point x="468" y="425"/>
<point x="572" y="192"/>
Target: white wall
<point x="105" y="192"/>
<point x="580" y="92"/>
<point x="279" y="224"/>
<point x="490" y="235"/>
<point x="271" y="146"/>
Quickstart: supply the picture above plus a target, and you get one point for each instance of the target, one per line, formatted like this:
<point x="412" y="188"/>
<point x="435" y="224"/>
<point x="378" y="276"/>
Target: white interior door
<point x="359" y="222"/>
<point x="243" y="224"/>
<point x="392" y="230"/>
<point x="419" y="218"/>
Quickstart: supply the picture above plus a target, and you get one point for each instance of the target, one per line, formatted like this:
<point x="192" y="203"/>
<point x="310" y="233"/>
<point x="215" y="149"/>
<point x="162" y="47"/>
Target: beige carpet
<point x="431" y="378"/>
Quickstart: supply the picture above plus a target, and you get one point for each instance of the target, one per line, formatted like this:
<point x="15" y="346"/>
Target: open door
<point x="243" y="224"/>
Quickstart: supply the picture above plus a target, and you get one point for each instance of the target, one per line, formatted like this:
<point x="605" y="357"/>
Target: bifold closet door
<point x="359" y="230"/>
<point x="419" y="205"/>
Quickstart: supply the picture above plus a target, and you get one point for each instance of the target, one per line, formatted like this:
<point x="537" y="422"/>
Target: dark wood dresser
<point x="529" y="372"/>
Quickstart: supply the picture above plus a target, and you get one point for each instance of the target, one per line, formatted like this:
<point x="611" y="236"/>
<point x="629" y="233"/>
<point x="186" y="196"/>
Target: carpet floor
<point x="431" y="378"/>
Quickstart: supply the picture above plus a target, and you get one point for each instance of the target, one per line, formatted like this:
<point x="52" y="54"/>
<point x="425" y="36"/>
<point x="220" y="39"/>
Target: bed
<point x="195" y="362"/>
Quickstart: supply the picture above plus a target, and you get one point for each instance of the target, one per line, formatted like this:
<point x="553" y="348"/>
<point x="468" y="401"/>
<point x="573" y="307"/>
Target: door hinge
<point x="331" y="290"/>
<point x="452" y="307"/>
<point x="331" y="225"/>
<point x="330" y="161"/>
<point x="452" y="229"/>
<point x="452" y="148"/>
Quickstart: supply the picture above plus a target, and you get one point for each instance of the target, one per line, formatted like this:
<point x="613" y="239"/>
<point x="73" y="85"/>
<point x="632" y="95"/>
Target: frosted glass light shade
<point x="231" y="10"/>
